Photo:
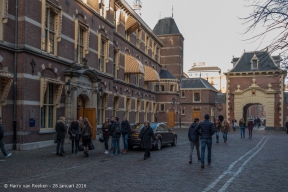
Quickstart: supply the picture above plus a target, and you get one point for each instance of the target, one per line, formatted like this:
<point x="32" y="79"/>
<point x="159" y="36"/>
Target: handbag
<point x="101" y="138"/>
<point x="91" y="146"/>
<point x="55" y="138"/>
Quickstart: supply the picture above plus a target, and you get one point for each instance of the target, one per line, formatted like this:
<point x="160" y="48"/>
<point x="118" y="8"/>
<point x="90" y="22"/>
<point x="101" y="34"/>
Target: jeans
<point x="60" y="144"/>
<point x="217" y="136"/>
<point x="125" y="140"/>
<point x="106" y="139"/>
<point x="112" y="144"/>
<point x="242" y="130"/>
<point x="2" y="147"/>
<point x="116" y="143"/>
<point x="192" y="144"/>
<point x="250" y="133"/>
<point x="205" y="142"/>
<point x="224" y="136"/>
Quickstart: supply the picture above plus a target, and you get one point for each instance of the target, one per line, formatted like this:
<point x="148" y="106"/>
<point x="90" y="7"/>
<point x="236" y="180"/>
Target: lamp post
<point x="68" y="91"/>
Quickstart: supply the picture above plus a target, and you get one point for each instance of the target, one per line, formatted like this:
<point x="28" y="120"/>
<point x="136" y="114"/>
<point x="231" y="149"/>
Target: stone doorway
<point x="255" y="112"/>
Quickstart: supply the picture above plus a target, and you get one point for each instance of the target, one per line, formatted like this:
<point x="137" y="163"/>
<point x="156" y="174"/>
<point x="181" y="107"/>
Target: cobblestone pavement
<point x="259" y="164"/>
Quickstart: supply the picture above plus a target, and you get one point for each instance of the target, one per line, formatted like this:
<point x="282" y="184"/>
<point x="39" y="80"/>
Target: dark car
<point x="163" y="134"/>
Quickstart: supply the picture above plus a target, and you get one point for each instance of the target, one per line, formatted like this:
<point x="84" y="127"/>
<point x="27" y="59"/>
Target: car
<point x="163" y="134"/>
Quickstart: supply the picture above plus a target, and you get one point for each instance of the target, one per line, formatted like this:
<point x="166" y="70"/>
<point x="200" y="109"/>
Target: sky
<point x="213" y="30"/>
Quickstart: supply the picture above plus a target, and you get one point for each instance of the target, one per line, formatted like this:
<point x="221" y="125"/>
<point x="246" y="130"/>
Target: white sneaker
<point x="106" y="152"/>
<point x="9" y="155"/>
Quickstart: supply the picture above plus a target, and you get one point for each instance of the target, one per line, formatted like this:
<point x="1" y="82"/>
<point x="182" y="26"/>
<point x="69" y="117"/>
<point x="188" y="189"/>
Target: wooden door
<point x="80" y="112"/>
<point x="90" y="114"/>
<point x="171" y="120"/>
<point x="196" y="114"/>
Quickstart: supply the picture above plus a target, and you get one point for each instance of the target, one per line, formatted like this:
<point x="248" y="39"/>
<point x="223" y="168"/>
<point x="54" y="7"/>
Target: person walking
<point x="81" y="124"/>
<point x="234" y="124"/>
<point x="225" y="129"/>
<point x="73" y="131"/>
<point x="258" y="122"/>
<point x="194" y="139"/>
<point x="206" y="130"/>
<point x="86" y="136"/>
<point x="250" y="126"/>
<point x="105" y="132"/>
<point x="2" y="144"/>
<point x="242" y="127"/>
<point x="217" y="124"/>
<point x="61" y="130"/>
<point x="146" y="134"/>
<point x="115" y="132"/>
<point x="125" y="128"/>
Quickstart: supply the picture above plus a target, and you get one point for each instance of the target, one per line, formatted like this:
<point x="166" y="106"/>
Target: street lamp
<point x="101" y="91"/>
<point x="68" y="87"/>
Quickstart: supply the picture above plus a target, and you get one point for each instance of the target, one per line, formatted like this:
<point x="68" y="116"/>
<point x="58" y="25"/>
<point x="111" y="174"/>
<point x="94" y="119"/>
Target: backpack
<point x="117" y="130"/>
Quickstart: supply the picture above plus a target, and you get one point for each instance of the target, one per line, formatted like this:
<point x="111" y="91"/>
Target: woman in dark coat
<point x="74" y="134"/>
<point x="145" y="135"/>
<point x="250" y="126"/>
<point x="105" y="131"/>
<point x="86" y="136"/>
<point x="61" y="130"/>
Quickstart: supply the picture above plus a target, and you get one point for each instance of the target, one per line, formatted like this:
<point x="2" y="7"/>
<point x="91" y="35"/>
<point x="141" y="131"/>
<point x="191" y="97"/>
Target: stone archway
<point x="255" y="95"/>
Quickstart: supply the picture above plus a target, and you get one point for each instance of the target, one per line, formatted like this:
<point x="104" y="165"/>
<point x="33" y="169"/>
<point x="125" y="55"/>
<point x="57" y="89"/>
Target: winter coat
<point x="225" y="128"/>
<point x="1" y="132"/>
<point x="74" y="129"/>
<point x="218" y="126"/>
<point x="112" y="129"/>
<point x="206" y="129"/>
<point x="250" y="125"/>
<point x="61" y="129"/>
<point x="87" y="130"/>
<point x="242" y="124"/>
<point x="105" y="132"/>
<point x="80" y="127"/>
<point x="125" y="127"/>
<point x="145" y="136"/>
<point x="192" y="134"/>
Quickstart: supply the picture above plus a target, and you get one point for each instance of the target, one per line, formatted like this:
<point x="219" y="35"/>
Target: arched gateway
<point x="256" y="78"/>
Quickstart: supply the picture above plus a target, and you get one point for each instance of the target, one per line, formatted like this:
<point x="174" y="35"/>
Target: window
<point x="162" y="88"/>
<point x="254" y="64"/>
<point x="137" y="110"/>
<point x="3" y="16"/>
<point x="147" y="43"/>
<point x="115" y="106"/>
<point x="116" y="60"/>
<point x="162" y="107"/>
<point x="138" y="38"/>
<point x="153" y="106"/>
<point x="182" y="93"/>
<point x="51" y="27"/>
<point x="137" y="80"/>
<point x="102" y="8"/>
<point x="146" y="85"/>
<point x="182" y="110"/>
<point x="146" y="110"/>
<point x="157" y="58"/>
<point x="127" y="78"/>
<point x="48" y="110"/>
<point x="172" y="88"/>
<point x="127" y="108"/>
<point x="196" y="96"/>
<point x="81" y="40"/>
<point x="103" y="52"/>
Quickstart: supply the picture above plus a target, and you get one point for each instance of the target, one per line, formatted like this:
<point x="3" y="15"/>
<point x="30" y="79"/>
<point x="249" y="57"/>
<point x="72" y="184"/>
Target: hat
<point x="195" y="120"/>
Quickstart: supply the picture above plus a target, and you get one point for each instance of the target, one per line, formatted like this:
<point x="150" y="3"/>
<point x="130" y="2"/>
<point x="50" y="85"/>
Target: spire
<point x="172" y="11"/>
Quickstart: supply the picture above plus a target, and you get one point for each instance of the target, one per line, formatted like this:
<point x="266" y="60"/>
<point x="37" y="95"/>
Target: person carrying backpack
<point x="115" y="132"/>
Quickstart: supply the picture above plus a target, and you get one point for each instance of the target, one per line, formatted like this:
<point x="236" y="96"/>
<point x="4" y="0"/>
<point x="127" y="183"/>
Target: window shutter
<point x="99" y="45"/>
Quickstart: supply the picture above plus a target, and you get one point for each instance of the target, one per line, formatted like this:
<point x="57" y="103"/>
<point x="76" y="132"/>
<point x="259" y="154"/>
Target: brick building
<point x="102" y="50"/>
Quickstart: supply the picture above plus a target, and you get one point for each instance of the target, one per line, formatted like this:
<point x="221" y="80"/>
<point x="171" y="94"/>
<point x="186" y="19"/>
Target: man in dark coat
<point x="125" y="128"/>
<point x="61" y="130"/>
<point x="206" y="130"/>
<point x="115" y="132"/>
<point x="194" y="139"/>
<point x="145" y="135"/>
<point x="2" y="145"/>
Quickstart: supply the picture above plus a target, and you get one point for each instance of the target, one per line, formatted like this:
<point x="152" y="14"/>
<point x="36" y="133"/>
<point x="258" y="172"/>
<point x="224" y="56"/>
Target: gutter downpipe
<point x="15" y="80"/>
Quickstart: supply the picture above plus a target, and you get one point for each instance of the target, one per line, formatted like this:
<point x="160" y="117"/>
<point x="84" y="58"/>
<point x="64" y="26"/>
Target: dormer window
<point x="254" y="62"/>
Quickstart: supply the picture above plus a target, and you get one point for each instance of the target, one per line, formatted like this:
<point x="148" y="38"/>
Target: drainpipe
<point x="15" y="80"/>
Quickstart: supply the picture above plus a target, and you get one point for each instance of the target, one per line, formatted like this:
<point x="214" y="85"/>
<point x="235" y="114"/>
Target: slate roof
<point x="235" y="59"/>
<point x="165" y="74"/>
<point x="220" y="98"/>
<point x="166" y="26"/>
<point x="196" y="83"/>
<point x="265" y="62"/>
<point x="204" y="68"/>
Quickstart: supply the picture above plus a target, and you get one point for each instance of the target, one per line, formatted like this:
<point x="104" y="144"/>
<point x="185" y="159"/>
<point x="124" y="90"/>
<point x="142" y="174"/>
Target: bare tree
<point x="273" y="16"/>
